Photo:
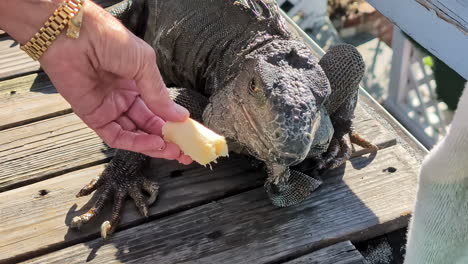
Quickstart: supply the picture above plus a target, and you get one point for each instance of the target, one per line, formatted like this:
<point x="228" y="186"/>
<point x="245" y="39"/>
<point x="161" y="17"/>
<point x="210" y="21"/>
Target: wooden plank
<point x="413" y="17"/>
<point x="363" y="200"/>
<point x="32" y="222"/>
<point x="54" y="146"/>
<point x="454" y="12"/>
<point x="48" y="148"/>
<point x="13" y="61"/>
<point x="29" y="98"/>
<point x="340" y="253"/>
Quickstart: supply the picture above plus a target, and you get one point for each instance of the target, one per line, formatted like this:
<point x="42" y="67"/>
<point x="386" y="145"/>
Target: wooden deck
<point x="221" y="216"/>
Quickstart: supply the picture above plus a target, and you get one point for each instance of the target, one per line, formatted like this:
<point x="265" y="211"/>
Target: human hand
<point x="110" y="78"/>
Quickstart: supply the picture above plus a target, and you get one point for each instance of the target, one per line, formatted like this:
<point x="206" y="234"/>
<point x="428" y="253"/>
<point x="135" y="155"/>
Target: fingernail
<point x="181" y="110"/>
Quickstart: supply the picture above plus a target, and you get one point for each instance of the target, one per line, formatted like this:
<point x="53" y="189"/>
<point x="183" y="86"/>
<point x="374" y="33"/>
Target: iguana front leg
<point x="286" y="187"/>
<point x="344" y="68"/>
<point x="123" y="176"/>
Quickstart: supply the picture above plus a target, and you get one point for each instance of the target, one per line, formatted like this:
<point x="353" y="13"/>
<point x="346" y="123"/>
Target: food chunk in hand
<point x="202" y="144"/>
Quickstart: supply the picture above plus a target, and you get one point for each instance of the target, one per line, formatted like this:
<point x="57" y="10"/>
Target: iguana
<point x="239" y="70"/>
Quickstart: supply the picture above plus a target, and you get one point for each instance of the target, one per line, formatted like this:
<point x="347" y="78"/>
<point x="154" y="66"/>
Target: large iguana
<point x="239" y="71"/>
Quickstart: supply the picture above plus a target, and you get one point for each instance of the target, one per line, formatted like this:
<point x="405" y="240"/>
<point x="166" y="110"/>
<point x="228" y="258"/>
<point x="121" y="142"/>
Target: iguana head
<point x="270" y="105"/>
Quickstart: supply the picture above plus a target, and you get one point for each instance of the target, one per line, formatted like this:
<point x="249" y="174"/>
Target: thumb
<point x="138" y="63"/>
<point x="155" y="93"/>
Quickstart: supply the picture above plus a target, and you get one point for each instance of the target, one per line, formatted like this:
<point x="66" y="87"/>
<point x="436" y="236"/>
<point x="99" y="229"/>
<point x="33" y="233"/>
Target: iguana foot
<point x="120" y="179"/>
<point x="287" y="187"/>
<point x="339" y="151"/>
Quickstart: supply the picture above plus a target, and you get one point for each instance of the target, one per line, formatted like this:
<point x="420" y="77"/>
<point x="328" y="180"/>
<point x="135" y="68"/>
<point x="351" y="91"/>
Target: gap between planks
<point x="29" y="99"/>
<point x="340" y="253"/>
<point x="62" y="144"/>
<point x="355" y="203"/>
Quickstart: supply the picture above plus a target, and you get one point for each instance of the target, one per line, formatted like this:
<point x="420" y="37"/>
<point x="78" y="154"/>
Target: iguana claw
<point x="121" y="178"/>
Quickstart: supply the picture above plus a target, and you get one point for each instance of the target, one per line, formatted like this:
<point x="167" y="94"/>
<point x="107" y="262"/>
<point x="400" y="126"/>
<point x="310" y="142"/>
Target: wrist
<point x="21" y="19"/>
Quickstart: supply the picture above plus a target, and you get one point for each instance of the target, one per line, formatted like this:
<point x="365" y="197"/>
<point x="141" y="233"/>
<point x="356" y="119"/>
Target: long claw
<point x="107" y="228"/>
<point x="139" y="200"/>
<point x="152" y="188"/>
<point x="90" y="187"/>
<point x="122" y="177"/>
<point x="80" y="220"/>
<point x="360" y="141"/>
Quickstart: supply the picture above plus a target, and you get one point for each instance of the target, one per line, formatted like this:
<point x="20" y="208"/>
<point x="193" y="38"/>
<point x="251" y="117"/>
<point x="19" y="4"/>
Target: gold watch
<point x="69" y="13"/>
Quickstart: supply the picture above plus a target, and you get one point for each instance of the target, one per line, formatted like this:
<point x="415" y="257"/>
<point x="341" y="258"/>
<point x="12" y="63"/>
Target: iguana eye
<point x="253" y="87"/>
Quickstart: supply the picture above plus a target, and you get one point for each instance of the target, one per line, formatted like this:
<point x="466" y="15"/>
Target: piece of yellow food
<point x="202" y="144"/>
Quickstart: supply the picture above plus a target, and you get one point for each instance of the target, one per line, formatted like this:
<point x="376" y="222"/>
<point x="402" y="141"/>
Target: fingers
<point x="171" y="152"/>
<point x="144" y="119"/>
<point x="112" y="106"/>
<point x="116" y="137"/>
<point x="151" y="145"/>
<point x="184" y="159"/>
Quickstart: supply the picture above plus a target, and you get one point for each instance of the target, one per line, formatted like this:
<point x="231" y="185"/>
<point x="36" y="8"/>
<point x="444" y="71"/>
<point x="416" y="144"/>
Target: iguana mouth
<point x="280" y="157"/>
<point x="254" y="126"/>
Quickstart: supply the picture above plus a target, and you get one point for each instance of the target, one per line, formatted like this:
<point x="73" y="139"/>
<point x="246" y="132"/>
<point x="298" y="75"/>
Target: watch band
<point x="68" y="13"/>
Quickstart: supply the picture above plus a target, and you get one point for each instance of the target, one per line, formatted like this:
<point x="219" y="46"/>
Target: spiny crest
<point x="264" y="11"/>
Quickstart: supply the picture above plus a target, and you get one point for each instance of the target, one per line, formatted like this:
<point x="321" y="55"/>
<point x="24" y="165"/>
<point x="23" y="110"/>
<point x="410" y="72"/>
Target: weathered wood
<point x="32" y="222"/>
<point x="363" y="200"/>
<point x="431" y="27"/>
<point x="47" y="148"/>
<point x="13" y="61"/>
<point x="29" y="98"/>
<point x="54" y="146"/>
<point x="453" y="11"/>
<point x="341" y="253"/>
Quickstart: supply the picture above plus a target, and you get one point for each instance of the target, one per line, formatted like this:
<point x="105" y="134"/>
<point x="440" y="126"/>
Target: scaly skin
<point x="246" y="77"/>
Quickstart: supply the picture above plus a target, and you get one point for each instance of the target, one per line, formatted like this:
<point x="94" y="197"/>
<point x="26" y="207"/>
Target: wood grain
<point x="13" y="61"/>
<point x="340" y="253"/>
<point x="414" y="17"/>
<point x="32" y="222"/>
<point x="359" y="201"/>
<point x="28" y="99"/>
<point x="51" y="147"/>
<point x="47" y="148"/>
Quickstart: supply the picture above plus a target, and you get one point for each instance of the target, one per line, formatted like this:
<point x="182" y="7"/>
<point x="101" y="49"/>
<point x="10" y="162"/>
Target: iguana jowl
<point x="238" y="70"/>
